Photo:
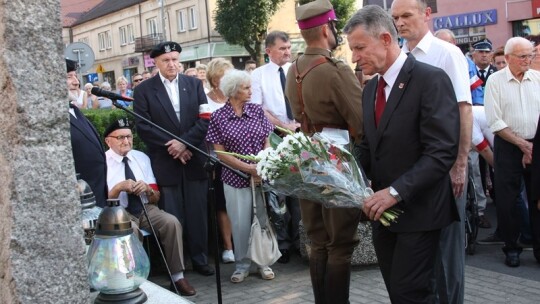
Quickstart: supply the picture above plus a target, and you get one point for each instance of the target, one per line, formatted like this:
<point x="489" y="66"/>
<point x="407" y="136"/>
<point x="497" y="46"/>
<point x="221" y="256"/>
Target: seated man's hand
<point x="135" y="187"/>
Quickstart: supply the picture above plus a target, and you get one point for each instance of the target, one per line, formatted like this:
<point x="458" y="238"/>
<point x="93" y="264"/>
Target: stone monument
<point x="42" y="253"/>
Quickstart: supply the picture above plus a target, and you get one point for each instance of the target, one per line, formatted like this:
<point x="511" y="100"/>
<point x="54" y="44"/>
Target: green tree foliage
<point x="344" y="10"/>
<point x="245" y="22"/>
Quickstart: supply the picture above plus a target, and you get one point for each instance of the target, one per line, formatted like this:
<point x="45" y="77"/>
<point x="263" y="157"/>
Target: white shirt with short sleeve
<point x="444" y="55"/>
<point x="138" y="162"/>
<point x="266" y="90"/>
<point x="513" y="104"/>
<point x="481" y="130"/>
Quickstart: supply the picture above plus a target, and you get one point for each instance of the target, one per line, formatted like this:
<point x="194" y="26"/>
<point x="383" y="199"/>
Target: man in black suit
<point x="411" y="127"/>
<point x="88" y="153"/>
<point x="172" y="100"/>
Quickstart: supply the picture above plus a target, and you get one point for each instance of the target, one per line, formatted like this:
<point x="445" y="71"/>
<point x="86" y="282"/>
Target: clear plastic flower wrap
<point x="313" y="168"/>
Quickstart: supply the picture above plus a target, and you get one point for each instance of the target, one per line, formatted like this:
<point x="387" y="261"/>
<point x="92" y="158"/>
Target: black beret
<point x="71" y="65"/>
<point x="122" y="123"/>
<point x="165" y="47"/>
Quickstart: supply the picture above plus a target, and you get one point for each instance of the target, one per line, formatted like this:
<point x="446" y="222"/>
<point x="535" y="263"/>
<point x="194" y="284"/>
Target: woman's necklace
<point x="218" y="96"/>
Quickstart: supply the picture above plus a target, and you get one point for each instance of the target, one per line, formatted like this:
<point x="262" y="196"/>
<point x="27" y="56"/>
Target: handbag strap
<point x="254" y="196"/>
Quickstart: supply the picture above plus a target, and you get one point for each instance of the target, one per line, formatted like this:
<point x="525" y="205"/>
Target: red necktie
<point x="380" y="101"/>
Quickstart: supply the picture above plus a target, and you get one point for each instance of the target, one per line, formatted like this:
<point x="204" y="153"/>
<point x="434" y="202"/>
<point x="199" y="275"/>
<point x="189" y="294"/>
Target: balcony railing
<point x="146" y="43"/>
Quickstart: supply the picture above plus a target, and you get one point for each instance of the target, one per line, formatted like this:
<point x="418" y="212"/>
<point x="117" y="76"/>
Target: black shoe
<point x="205" y="270"/>
<point x="512" y="259"/>
<point x="483" y="222"/>
<point x="285" y="256"/>
<point x="491" y="240"/>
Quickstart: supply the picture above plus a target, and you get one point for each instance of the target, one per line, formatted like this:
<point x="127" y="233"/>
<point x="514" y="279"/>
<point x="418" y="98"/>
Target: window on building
<point x="130" y="34"/>
<point x="192" y="18"/>
<point x="152" y="26"/>
<point x="108" y="39"/>
<point x="102" y="41"/>
<point x="123" y="36"/>
<point x="526" y="27"/>
<point x="182" y="20"/>
<point x="84" y="40"/>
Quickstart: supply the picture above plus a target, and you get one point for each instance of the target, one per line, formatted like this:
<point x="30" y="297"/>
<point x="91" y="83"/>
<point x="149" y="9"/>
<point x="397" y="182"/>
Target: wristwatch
<point x="395" y="194"/>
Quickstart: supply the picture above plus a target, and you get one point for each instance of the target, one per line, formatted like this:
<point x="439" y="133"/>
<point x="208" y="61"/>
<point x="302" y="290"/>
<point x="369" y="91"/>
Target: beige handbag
<point x="263" y="246"/>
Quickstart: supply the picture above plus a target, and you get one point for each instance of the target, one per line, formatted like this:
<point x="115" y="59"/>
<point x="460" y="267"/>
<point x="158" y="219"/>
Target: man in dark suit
<point x="411" y="127"/>
<point x="171" y="100"/>
<point x="88" y="153"/>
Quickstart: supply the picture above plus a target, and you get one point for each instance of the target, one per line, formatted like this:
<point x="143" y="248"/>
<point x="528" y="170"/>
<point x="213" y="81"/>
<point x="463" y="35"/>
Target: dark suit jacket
<point x="89" y="155"/>
<point x="415" y="145"/>
<point x="535" y="168"/>
<point x="153" y="103"/>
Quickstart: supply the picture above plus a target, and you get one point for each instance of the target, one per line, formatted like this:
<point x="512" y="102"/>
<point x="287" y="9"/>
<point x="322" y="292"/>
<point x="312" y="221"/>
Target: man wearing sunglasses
<point x="136" y="80"/>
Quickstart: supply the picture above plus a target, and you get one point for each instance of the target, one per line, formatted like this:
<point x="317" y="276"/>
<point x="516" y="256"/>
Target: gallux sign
<point x="465" y="20"/>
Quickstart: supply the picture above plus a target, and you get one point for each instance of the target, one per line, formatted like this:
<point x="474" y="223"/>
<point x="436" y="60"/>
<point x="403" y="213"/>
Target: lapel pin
<point x="401" y="85"/>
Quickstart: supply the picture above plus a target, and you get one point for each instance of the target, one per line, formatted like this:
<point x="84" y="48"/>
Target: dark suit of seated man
<point x="130" y="177"/>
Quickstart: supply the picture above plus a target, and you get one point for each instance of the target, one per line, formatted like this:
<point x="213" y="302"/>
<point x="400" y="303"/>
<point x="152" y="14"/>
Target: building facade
<point x="472" y="21"/>
<point x="121" y="33"/>
<point x="497" y="20"/>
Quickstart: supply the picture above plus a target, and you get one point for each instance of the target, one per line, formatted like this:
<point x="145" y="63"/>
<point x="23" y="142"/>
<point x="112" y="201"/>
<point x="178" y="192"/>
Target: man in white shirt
<point x="267" y="85"/>
<point x="411" y="18"/>
<point x="130" y="178"/>
<point x="512" y="107"/>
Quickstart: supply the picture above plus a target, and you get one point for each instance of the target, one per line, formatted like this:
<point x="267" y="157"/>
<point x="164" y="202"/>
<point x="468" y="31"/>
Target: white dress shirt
<point x="172" y="91"/>
<point x="448" y="57"/>
<point x="392" y="73"/>
<point x="138" y="162"/>
<point x="512" y="104"/>
<point x="266" y="90"/>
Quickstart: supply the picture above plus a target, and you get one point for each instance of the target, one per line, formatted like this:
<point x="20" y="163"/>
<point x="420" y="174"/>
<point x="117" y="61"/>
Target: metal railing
<point x="146" y="43"/>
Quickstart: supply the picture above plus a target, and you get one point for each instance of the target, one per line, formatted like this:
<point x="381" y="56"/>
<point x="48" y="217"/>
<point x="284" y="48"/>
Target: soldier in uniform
<point x="324" y="93"/>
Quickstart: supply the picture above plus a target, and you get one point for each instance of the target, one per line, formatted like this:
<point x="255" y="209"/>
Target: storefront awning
<point x="223" y="49"/>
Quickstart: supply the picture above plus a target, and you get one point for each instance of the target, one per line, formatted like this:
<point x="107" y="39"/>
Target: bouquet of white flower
<point x="314" y="169"/>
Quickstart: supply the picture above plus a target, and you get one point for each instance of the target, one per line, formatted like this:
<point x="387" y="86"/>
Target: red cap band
<point x="317" y="20"/>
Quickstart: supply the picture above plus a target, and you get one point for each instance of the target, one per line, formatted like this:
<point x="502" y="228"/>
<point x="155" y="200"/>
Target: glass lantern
<point x="117" y="262"/>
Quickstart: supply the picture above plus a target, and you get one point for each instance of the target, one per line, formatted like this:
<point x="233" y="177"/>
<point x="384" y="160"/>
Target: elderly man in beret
<point x="130" y="177"/>
<point x="171" y="100"/>
<point x="88" y="153"/>
<point x="330" y="97"/>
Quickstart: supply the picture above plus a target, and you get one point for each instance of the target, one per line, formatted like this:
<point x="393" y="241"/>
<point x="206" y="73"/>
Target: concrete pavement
<point x="292" y="285"/>
<point x="487" y="280"/>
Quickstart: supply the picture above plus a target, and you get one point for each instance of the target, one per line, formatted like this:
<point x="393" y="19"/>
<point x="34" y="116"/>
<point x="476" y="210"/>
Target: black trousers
<point x="407" y="262"/>
<point x="508" y="174"/>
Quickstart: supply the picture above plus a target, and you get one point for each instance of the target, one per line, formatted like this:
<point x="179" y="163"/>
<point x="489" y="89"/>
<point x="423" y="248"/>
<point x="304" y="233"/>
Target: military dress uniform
<point x="331" y="97"/>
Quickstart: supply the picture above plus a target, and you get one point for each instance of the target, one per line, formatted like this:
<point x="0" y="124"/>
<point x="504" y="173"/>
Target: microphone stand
<point x="144" y="201"/>
<point x="210" y="167"/>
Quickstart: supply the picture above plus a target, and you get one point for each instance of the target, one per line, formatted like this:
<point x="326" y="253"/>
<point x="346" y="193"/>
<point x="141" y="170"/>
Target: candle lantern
<point x="118" y="264"/>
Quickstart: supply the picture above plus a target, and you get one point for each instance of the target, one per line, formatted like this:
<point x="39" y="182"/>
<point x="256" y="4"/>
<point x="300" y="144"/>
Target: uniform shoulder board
<point x="334" y="60"/>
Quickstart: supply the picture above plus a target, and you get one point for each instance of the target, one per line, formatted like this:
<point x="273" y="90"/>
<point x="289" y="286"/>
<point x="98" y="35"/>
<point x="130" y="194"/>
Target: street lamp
<point x="118" y="264"/>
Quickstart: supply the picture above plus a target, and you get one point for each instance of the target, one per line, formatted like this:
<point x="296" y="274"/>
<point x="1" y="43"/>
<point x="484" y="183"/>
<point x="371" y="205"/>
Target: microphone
<point x="111" y="95"/>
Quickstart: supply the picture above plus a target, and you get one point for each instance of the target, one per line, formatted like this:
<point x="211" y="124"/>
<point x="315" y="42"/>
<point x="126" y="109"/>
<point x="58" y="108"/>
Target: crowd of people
<point x="424" y="118"/>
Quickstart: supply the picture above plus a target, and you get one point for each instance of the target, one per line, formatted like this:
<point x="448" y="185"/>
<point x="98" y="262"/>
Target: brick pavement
<point x="292" y="285"/>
